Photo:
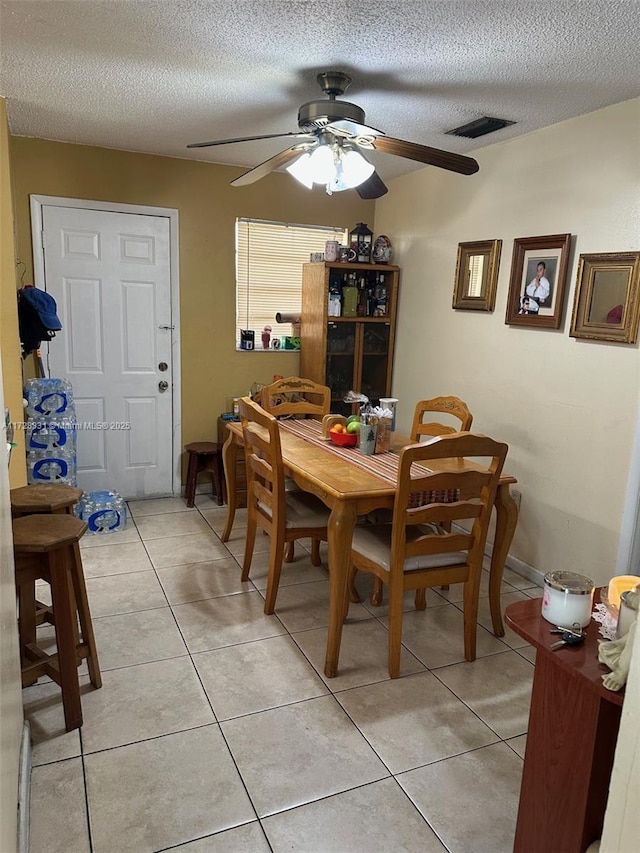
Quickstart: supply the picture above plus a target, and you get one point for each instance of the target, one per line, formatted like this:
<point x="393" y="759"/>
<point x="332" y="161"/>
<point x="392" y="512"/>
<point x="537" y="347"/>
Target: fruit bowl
<point x="344" y="439"/>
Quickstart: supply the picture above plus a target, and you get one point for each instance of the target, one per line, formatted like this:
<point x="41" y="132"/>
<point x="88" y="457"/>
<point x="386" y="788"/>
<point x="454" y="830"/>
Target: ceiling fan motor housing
<point x="318" y="114"/>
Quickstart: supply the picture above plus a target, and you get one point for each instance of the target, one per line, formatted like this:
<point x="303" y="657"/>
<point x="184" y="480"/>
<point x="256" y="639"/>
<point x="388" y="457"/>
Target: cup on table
<point x="390" y="403"/>
<point x="368" y="432"/>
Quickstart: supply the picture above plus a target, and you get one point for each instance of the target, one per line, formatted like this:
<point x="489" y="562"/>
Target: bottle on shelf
<point x="381" y="306"/>
<point x="335" y="297"/>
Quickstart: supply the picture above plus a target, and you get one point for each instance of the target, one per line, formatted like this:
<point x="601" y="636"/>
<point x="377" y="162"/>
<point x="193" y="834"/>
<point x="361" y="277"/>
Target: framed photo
<point x="477" y="275"/>
<point x="537" y="283"/>
<point x="606" y="305"/>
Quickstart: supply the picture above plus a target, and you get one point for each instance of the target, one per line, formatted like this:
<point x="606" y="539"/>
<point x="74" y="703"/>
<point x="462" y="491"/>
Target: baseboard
<point x="24" y="790"/>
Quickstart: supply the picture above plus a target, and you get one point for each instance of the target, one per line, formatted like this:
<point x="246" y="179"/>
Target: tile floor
<point x="215" y="729"/>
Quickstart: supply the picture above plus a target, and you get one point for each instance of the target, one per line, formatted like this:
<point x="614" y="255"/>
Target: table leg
<point x="506" y="520"/>
<point x="230" y="451"/>
<point x="342" y="522"/>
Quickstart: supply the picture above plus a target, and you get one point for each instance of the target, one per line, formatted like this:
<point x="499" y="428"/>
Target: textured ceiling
<point x="153" y="76"/>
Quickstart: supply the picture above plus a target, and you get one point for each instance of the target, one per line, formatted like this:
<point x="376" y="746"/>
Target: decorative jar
<point x="567" y="599"/>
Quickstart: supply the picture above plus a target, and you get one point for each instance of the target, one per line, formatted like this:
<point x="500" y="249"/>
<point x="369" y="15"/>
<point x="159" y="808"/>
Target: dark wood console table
<point x="573" y="728"/>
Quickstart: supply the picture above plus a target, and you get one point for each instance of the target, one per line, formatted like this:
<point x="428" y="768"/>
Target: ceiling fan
<point x="332" y="136"/>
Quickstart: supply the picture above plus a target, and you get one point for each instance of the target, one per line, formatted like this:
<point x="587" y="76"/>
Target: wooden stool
<point x="46" y="548"/>
<point x="49" y="498"/>
<point x="203" y="456"/>
<point x="45" y="497"/>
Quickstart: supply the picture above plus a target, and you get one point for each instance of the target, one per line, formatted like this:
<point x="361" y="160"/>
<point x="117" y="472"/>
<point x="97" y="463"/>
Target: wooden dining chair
<point x="453" y="406"/>
<point x="458" y="410"/>
<point x="296" y="396"/>
<point x="284" y="515"/>
<point x="414" y="551"/>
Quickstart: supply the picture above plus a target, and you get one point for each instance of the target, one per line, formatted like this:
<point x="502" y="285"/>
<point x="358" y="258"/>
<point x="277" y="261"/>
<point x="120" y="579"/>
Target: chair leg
<point x="354" y="595"/>
<point x="84" y="615"/>
<point x="249" y="545"/>
<point x="65" y="640"/>
<point x="315" y="553"/>
<point x="421" y="599"/>
<point x="275" y="570"/>
<point x="192" y="477"/>
<point x="470" y="613"/>
<point x="396" y="593"/>
<point x="376" y="592"/>
<point x="27" y="621"/>
<point x="289" y="551"/>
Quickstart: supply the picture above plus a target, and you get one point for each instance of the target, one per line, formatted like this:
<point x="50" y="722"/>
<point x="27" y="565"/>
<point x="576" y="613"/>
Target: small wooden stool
<point x="46" y="547"/>
<point x="44" y="497"/>
<point x="203" y="456"/>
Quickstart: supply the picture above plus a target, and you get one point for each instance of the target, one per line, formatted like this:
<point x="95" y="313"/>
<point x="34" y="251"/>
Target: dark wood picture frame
<point x="538" y="279"/>
<point x="487" y="255"/>
<point x="606" y="304"/>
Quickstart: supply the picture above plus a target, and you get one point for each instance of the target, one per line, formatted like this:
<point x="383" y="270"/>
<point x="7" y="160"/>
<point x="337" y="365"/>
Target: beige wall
<point x="208" y="206"/>
<point x="10" y="395"/>
<point x="566" y="408"/>
<point x="9" y="340"/>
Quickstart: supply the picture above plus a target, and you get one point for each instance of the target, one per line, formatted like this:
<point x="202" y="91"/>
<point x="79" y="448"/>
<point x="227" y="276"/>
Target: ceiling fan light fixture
<point x="352" y="170"/>
<point x="302" y="170"/>
<point x="337" y="168"/>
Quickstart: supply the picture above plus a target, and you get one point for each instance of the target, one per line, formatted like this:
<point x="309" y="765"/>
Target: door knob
<point x="163" y="385"/>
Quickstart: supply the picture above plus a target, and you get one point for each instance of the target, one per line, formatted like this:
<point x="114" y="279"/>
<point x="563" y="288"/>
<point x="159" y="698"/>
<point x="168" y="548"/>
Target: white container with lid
<point x="567" y="599"/>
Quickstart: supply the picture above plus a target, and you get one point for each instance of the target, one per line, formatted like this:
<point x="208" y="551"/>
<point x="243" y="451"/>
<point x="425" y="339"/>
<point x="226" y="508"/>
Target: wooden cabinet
<point x="349" y="352"/>
<point x="571" y="741"/>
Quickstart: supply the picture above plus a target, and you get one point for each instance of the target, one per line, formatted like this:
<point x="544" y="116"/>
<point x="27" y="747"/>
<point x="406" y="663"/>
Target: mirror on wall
<point x="607" y="299"/>
<point x="477" y="275"/>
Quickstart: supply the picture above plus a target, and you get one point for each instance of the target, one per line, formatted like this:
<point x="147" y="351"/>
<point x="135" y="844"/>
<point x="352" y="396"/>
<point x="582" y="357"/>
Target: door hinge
<point x="166" y="327"/>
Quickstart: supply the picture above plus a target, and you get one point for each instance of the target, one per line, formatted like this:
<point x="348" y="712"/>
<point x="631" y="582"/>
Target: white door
<point x="110" y="276"/>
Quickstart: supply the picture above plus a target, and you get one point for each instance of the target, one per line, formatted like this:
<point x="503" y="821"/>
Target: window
<point x="269" y="258"/>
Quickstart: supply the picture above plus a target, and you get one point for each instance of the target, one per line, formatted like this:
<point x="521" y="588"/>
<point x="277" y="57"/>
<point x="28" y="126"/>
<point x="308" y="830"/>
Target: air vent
<point x="480" y="127"/>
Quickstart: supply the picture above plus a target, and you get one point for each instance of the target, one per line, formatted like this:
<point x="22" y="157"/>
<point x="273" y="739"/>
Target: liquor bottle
<point x="362" y="297"/>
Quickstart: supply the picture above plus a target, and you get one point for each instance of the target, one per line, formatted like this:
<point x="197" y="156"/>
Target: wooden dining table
<point x="352" y="485"/>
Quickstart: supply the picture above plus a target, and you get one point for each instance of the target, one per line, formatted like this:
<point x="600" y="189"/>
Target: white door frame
<point x="37" y="202"/>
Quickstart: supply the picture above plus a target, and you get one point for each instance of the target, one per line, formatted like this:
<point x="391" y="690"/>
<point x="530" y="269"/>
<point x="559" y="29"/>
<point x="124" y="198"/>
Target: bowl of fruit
<point x="345" y="435"/>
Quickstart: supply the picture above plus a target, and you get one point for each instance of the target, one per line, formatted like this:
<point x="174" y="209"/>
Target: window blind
<point x="269" y="258"/>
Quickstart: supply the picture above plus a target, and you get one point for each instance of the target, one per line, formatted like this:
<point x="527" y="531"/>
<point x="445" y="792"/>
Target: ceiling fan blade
<point x="373" y="187"/>
<point x="423" y="154"/>
<point x="268" y="166"/>
<point x="248" y="139"/>
<point x="347" y="127"/>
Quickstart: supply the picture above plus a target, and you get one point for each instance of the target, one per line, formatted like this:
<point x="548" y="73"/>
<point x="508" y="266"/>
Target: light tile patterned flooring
<point x="216" y="730"/>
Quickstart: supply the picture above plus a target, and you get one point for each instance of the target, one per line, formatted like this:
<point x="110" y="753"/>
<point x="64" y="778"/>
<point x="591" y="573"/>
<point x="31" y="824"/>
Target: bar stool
<point x="44" y="497"/>
<point x="203" y="456"/>
<point x="46" y="548"/>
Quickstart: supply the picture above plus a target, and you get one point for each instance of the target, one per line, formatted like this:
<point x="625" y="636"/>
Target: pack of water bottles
<point x="104" y="511"/>
<point x="51" y="432"/>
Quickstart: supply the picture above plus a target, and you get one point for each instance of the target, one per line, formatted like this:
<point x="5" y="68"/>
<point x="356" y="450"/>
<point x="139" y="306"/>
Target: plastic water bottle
<point x="51" y="435"/>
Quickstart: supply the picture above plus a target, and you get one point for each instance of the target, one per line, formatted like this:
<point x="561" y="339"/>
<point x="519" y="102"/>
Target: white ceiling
<point x="152" y="76"/>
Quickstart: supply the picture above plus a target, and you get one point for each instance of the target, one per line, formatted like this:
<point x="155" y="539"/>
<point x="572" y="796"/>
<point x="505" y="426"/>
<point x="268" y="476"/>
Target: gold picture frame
<point x="606" y="305"/>
<point x="477" y="275"/>
<point x="537" y="284"/>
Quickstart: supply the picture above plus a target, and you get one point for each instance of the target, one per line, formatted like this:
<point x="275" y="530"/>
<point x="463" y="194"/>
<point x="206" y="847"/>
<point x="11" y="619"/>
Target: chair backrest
<point x="447" y="492"/>
<point x="296" y="396"/>
<point x="445" y="405"/>
<point x="263" y="455"/>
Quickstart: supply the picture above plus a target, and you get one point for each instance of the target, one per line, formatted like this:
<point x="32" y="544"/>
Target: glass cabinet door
<point x="375" y="359"/>
<point x="341" y="348"/>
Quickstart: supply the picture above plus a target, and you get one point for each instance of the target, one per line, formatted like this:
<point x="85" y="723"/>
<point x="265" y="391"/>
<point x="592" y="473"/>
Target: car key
<point x="568" y="639"/>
